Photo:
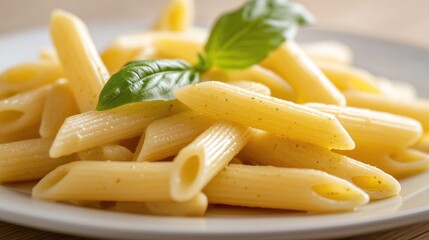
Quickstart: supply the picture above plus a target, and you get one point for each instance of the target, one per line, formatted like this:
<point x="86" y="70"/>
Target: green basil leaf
<point x="246" y="36"/>
<point x="144" y="81"/>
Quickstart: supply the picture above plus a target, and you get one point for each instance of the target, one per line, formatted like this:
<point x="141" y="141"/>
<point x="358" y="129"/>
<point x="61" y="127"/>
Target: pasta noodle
<point x="27" y="160"/>
<point x="90" y="129"/>
<point x="197" y="163"/>
<point x="399" y="164"/>
<point x="268" y="149"/>
<point x="106" y="181"/>
<point x="291" y="63"/>
<point x="126" y="48"/>
<point x="349" y="78"/>
<point x="165" y="137"/>
<point x="329" y="51"/>
<point x="283" y="188"/>
<point x="279" y="87"/>
<point x="22" y="110"/>
<point x="370" y="128"/>
<point x="414" y="108"/>
<point x="112" y="152"/>
<point x="79" y="58"/>
<point x="28" y="76"/>
<point x="259" y="111"/>
<point x="178" y="16"/>
<point x="54" y="116"/>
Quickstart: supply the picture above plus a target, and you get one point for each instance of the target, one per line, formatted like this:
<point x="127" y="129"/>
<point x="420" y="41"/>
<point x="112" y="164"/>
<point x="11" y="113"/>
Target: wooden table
<point x="398" y="20"/>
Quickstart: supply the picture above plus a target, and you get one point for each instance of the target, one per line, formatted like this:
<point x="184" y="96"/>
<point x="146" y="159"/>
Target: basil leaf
<point x="246" y="36"/>
<point x="144" y="81"/>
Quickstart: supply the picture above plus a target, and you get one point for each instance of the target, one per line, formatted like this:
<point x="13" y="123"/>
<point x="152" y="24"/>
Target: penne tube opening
<point x="406" y="163"/>
<point x="377" y="187"/>
<point x="343" y="195"/>
<point x="42" y="189"/>
<point x="185" y="179"/>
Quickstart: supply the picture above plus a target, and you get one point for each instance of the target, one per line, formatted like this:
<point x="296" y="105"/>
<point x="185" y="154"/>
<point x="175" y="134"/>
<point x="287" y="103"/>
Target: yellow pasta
<point x="417" y="109"/>
<point x="278" y="86"/>
<point x="29" y="76"/>
<point x="259" y="111"/>
<point x="399" y="164"/>
<point x="111" y="152"/>
<point x="283" y="188"/>
<point x="48" y="55"/>
<point x="27" y="160"/>
<point x="423" y="143"/>
<point x="329" y="51"/>
<point x="396" y="89"/>
<point x="252" y="86"/>
<point x="195" y="207"/>
<point x="375" y="129"/>
<point x="22" y="110"/>
<point x="349" y="78"/>
<point x="126" y="48"/>
<point x="177" y="16"/>
<point x="59" y="105"/>
<point x="90" y="129"/>
<point x="268" y="149"/>
<point x="79" y="58"/>
<point x="106" y="181"/>
<point x="165" y="137"/>
<point x="291" y="63"/>
<point x="26" y="133"/>
<point x="197" y="163"/>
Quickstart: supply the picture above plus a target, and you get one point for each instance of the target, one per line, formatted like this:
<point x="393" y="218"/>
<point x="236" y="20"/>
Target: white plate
<point x="394" y="60"/>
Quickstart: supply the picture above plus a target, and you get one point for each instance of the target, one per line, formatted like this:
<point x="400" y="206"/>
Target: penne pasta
<point x="79" y="58"/>
<point x="307" y="190"/>
<point x="423" y="143"/>
<point x="279" y="87"/>
<point x="48" y="55"/>
<point x="27" y="160"/>
<point x="177" y="16"/>
<point x="165" y="137"/>
<point x="252" y="86"/>
<point x="291" y="63"/>
<point x="90" y="129"/>
<point x="399" y="164"/>
<point x="417" y="109"/>
<point x="375" y="129"/>
<point x="165" y="44"/>
<point x="106" y="181"/>
<point x="59" y="105"/>
<point x="396" y="89"/>
<point x="27" y="133"/>
<point x="283" y="188"/>
<point x="196" y="207"/>
<point x="267" y="113"/>
<point x="329" y="51"/>
<point x="28" y="76"/>
<point x="22" y="110"/>
<point x="197" y="163"/>
<point x="349" y="78"/>
<point x="268" y="149"/>
<point x="111" y="152"/>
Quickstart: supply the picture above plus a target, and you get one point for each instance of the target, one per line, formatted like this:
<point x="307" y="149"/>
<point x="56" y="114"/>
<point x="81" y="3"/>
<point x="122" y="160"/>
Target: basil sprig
<point x="238" y="40"/>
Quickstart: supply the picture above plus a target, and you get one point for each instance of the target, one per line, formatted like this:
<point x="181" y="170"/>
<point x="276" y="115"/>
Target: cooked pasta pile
<point x="303" y="130"/>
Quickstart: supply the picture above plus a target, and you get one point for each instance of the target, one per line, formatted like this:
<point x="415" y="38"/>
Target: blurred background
<point x="405" y="21"/>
